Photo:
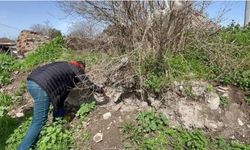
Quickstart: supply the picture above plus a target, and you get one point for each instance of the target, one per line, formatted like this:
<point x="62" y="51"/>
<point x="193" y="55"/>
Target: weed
<point x="224" y="101"/>
<point x="151" y="121"/>
<point x="85" y="136"/>
<point x="6" y="68"/>
<point x="55" y="137"/>
<point x="21" y="89"/>
<point x="222" y="144"/>
<point x="158" y="142"/>
<point x="209" y="88"/>
<point x="247" y="99"/>
<point x="5" y="99"/>
<point x="154" y="82"/>
<point x="182" y="139"/>
<point x="85" y="109"/>
<point x="15" y="138"/>
<point x="146" y="122"/>
<point x="2" y="111"/>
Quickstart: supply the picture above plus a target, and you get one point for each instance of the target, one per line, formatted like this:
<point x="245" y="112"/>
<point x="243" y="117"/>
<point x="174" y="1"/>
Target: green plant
<point x="147" y="122"/>
<point x="55" y="136"/>
<point x="157" y="142"/>
<point x="21" y="89"/>
<point x="151" y="121"/>
<point x="16" y="137"/>
<point x="247" y="99"/>
<point x="182" y="139"/>
<point x="224" y="101"/>
<point x="2" y="111"/>
<point x="85" y="136"/>
<point x="209" y="88"/>
<point x="154" y="82"/>
<point x="85" y="109"/>
<point x="5" y="99"/>
<point x="7" y="66"/>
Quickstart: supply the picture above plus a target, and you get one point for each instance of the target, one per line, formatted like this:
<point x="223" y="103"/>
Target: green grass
<point x="151" y="132"/>
<point x="46" y="53"/>
<point x="7" y="66"/>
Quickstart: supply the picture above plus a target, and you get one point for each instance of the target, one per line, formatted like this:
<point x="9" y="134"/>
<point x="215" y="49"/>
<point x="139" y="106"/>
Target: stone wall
<point x="29" y="40"/>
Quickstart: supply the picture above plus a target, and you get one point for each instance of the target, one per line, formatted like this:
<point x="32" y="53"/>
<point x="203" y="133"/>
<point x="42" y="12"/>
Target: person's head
<point x="79" y="64"/>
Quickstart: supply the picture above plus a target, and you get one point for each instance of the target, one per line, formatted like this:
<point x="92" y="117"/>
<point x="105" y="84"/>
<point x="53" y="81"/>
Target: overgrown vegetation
<point x="223" y="57"/>
<point x="151" y="132"/>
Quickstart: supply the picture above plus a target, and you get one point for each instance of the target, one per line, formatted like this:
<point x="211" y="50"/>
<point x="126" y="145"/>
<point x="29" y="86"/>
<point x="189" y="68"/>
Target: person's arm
<point x="83" y="80"/>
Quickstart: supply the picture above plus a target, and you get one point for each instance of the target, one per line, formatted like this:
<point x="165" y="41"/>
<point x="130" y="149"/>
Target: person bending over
<point x="52" y="83"/>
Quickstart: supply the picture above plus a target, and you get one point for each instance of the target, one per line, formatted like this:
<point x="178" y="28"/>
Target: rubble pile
<point x="29" y="40"/>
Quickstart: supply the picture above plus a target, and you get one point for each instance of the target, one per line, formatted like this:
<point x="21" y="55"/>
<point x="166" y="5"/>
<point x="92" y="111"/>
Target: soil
<point x="111" y="129"/>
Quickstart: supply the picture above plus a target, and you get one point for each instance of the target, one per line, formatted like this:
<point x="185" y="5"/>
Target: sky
<point x="18" y="15"/>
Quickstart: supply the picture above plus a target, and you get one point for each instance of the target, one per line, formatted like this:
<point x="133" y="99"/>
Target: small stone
<point x="98" y="137"/>
<point x="240" y="122"/>
<point x="213" y="100"/>
<point x="117" y="107"/>
<point x="109" y="125"/>
<point x="16" y="72"/>
<point x="84" y="124"/>
<point x="151" y="99"/>
<point x="233" y="137"/>
<point x="117" y="96"/>
<point x="120" y="119"/>
<point x="144" y="104"/>
<point x="106" y="116"/>
<point x="128" y="101"/>
<point x="19" y="115"/>
<point x="128" y="108"/>
<point x="248" y="126"/>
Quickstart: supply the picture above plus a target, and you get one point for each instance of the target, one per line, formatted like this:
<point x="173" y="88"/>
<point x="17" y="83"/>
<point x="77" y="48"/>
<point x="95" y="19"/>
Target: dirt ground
<point x="111" y="129"/>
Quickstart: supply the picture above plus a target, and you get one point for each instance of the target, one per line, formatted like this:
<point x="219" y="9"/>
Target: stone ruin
<point x="29" y="40"/>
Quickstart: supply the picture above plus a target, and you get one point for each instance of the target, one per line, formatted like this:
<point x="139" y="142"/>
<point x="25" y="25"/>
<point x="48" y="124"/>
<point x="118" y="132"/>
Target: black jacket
<point x="58" y="78"/>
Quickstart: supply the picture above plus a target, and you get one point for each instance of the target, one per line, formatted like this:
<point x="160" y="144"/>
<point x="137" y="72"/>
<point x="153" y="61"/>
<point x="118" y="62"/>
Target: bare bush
<point x="82" y="36"/>
<point x="147" y="24"/>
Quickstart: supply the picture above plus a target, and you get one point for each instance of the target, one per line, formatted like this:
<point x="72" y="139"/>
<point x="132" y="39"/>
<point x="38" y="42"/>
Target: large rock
<point x="29" y="40"/>
<point x="191" y="116"/>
